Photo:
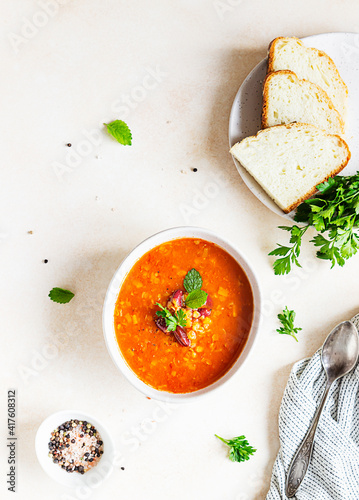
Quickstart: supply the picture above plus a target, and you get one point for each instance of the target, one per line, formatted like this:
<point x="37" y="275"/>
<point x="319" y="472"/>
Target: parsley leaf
<point x="240" y="449"/>
<point x="60" y="295"/>
<point x="289" y="254"/>
<point x="172" y="320"/>
<point x="192" y="280"/>
<point x="196" y="299"/>
<point x="334" y="211"/>
<point x="120" y="131"/>
<point x="287" y="319"/>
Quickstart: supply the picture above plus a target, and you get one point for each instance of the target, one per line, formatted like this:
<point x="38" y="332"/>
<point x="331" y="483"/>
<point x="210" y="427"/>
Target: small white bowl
<point x="114" y="288"/>
<point x="91" y="478"/>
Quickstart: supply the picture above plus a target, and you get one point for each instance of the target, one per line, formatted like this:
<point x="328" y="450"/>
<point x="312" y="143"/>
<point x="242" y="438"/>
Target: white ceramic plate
<point x="93" y="477"/>
<point x="114" y="288"/>
<point x="245" y="118"/>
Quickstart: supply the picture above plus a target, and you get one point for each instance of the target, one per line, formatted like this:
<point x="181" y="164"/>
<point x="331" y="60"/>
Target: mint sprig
<point x="120" y="131"/>
<point x="192" y="281"/>
<point x="60" y="295"/>
<point x="196" y="299"/>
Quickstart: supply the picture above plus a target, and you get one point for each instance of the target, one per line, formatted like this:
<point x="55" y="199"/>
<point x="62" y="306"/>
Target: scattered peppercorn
<point x="45" y="261"/>
<point x="69" y="144"/>
<point x="195" y="169"/>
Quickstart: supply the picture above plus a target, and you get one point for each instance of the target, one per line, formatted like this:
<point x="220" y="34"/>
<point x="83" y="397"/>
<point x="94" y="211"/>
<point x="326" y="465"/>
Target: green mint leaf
<point x="60" y="295"/>
<point x="192" y="281"/>
<point x="196" y="299"/>
<point x="240" y="449"/>
<point x="120" y="131"/>
<point x="287" y="318"/>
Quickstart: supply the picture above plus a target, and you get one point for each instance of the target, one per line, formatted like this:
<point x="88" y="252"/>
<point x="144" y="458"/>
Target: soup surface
<point x="217" y="332"/>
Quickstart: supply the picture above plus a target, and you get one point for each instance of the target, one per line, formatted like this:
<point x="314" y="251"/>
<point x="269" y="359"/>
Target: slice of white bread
<point x="286" y="99"/>
<point x="309" y="64"/>
<point x="289" y="161"/>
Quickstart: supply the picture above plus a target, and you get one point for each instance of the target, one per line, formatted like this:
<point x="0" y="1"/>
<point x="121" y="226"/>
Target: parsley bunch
<point x="287" y="319"/>
<point x="334" y="213"/>
<point x="240" y="449"/>
<point x="172" y="320"/>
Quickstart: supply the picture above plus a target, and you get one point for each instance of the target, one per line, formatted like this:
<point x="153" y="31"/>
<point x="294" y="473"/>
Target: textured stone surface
<point x="181" y="63"/>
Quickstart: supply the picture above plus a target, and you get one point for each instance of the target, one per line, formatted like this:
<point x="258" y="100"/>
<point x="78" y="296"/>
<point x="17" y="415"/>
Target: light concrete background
<point x="171" y="70"/>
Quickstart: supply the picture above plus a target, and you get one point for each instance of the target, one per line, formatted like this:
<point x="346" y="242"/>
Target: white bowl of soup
<point x="181" y="313"/>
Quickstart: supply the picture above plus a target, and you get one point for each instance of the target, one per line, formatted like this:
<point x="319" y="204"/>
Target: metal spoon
<point x="339" y="356"/>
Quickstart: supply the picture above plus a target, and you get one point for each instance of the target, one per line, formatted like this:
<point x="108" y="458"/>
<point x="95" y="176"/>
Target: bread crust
<point x="313" y="190"/>
<point x="271" y="50"/>
<point x="323" y="94"/>
<point x="325" y="178"/>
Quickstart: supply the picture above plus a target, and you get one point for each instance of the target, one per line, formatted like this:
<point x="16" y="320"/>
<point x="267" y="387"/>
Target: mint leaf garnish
<point x="60" y="295"/>
<point x="192" y="281"/>
<point x="196" y="299"/>
<point x="120" y="131"/>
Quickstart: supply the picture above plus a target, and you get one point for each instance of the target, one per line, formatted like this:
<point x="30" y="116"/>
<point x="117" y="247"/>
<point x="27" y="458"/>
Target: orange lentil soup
<point x="216" y="338"/>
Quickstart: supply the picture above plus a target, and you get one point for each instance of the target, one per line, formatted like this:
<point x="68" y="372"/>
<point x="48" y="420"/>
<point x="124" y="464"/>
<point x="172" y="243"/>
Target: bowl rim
<point x="116" y="282"/>
<point x="55" y="472"/>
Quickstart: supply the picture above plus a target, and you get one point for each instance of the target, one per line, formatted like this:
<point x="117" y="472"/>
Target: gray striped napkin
<point x="333" y="473"/>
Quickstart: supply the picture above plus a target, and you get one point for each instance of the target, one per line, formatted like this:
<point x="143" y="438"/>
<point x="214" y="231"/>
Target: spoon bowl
<point x="340" y="350"/>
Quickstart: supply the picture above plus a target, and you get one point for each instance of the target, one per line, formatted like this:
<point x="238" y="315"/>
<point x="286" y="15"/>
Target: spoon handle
<point x="299" y="466"/>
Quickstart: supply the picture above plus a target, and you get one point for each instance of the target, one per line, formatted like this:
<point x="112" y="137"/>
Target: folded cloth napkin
<point x="333" y="473"/>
